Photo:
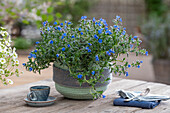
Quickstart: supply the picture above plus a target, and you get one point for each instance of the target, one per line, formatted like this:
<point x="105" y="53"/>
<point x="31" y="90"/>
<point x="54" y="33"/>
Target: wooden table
<point x="11" y="100"/>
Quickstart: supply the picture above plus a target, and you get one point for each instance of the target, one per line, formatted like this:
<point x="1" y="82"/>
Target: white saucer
<point x="48" y="102"/>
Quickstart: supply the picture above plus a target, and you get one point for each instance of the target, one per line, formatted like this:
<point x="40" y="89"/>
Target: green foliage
<point x="157" y="32"/>
<point x="22" y="43"/>
<point x="90" y="47"/>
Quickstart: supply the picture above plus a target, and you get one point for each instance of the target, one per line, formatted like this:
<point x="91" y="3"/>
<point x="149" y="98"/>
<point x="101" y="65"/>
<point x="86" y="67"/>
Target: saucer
<point x="48" y="102"/>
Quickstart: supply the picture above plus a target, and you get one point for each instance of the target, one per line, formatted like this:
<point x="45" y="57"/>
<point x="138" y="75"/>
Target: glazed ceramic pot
<point x="70" y="87"/>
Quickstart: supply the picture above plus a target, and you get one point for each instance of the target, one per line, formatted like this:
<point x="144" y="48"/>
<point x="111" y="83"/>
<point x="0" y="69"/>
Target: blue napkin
<point x="134" y="103"/>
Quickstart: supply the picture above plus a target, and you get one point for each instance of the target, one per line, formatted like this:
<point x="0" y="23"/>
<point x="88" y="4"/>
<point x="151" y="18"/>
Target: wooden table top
<point x="11" y="100"/>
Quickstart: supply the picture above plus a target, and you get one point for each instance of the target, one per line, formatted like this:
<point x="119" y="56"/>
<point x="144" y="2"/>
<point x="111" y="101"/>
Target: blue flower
<point x="48" y="29"/>
<point x="108" y="32"/>
<point x="93" y="72"/>
<point x="29" y="56"/>
<point x="79" y="76"/>
<point x="62" y="37"/>
<point x="59" y="28"/>
<point x="24" y="64"/>
<point x="63" y="49"/>
<point x="106" y="28"/>
<point x="83" y="17"/>
<point x="72" y="36"/>
<point x="120" y="19"/>
<point x="124" y="32"/>
<point x="99" y="24"/>
<point x="115" y="26"/>
<point x="95" y="36"/>
<point x="44" y="23"/>
<point x="100" y="41"/>
<point x="89" y="50"/>
<point x="129" y="65"/>
<point x="64" y="34"/>
<point x="131" y="45"/>
<point x="127" y="74"/>
<point x="100" y="31"/>
<point x="135" y="37"/>
<point x="124" y="28"/>
<point x="110" y="50"/>
<point x="33" y="55"/>
<point x="79" y="29"/>
<point x="65" y="21"/>
<point x="30" y="68"/>
<point x="107" y="52"/>
<point x="51" y="42"/>
<point x="55" y="28"/>
<point x="87" y="30"/>
<point x="89" y="44"/>
<point x="117" y="17"/>
<point x="94" y="19"/>
<point x="35" y="51"/>
<point x="97" y="58"/>
<point x="132" y="39"/>
<point x="68" y="45"/>
<point x="96" y="23"/>
<point x="65" y="27"/>
<point x="69" y="23"/>
<point x="81" y="33"/>
<point x="146" y="53"/>
<point x="103" y="96"/>
<point x="61" y="24"/>
<point x="138" y="66"/>
<point x="57" y="55"/>
<point x="101" y="19"/>
<point x="55" y="23"/>
<point x="37" y="42"/>
<point x="141" y="61"/>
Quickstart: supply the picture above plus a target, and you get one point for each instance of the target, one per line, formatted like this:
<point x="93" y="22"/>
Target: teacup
<point x="38" y="93"/>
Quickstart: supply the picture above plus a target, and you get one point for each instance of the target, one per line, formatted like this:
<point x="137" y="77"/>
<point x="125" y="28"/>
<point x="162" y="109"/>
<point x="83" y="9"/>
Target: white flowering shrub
<point x="8" y="58"/>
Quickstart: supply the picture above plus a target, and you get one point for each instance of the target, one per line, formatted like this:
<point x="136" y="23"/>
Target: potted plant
<point x="157" y="36"/>
<point x="84" y="57"/>
<point x="8" y="58"/>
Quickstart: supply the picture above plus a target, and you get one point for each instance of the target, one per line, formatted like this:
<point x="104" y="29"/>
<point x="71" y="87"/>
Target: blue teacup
<point x="38" y="93"/>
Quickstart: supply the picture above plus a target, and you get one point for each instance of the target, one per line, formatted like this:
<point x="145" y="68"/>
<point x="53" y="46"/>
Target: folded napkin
<point x="134" y="103"/>
<point x="139" y="99"/>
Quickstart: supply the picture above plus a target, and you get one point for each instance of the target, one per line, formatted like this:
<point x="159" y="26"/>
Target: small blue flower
<point x="44" y="23"/>
<point x="138" y="66"/>
<point x="108" y="32"/>
<point x="55" y="28"/>
<point x="51" y="42"/>
<point x="93" y="72"/>
<point x="29" y="56"/>
<point x="61" y="24"/>
<point x="62" y="37"/>
<point x="79" y="29"/>
<point x="129" y="65"/>
<point x="99" y="24"/>
<point x="97" y="58"/>
<point x="72" y="36"/>
<point x="146" y="53"/>
<point x="89" y="50"/>
<point x="85" y="17"/>
<point x="82" y="17"/>
<point x="89" y="44"/>
<point x="37" y="42"/>
<point x="100" y="41"/>
<point x="117" y="17"/>
<point x="63" y="49"/>
<point x="59" y="28"/>
<point x="96" y="23"/>
<point x="95" y="36"/>
<point x="48" y="29"/>
<point x="115" y="26"/>
<point x="112" y="51"/>
<point x="30" y="68"/>
<point x="87" y="30"/>
<point x="100" y="31"/>
<point x="94" y="19"/>
<point x="120" y="19"/>
<point x="131" y="45"/>
<point x="141" y="61"/>
<point x="69" y="23"/>
<point x="108" y="53"/>
<point x="81" y="33"/>
<point x="65" y="21"/>
<point x="64" y="34"/>
<point x="65" y="27"/>
<point x="68" y="45"/>
<point x="127" y="74"/>
<point x="55" y="23"/>
<point x="124" y="28"/>
<point x="33" y="55"/>
<point x="103" y="96"/>
<point x="79" y="76"/>
<point x="35" y="51"/>
<point x="124" y="32"/>
<point x="132" y="39"/>
<point x="24" y="64"/>
<point x="57" y="55"/>
<point x="135" y="37"/>
<point x="106" y="28"/>
<point x="101" y="19"/>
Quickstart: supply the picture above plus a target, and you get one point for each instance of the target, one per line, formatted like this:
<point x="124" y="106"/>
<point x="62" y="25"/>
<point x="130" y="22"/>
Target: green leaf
<point x="38" y="12"/>
<point x="25" y="21"/>
<point x="50" y="10"/>
<point x="50" y="18"/>
<point x="58" y="15"/>
<point x="44" y="17"/>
